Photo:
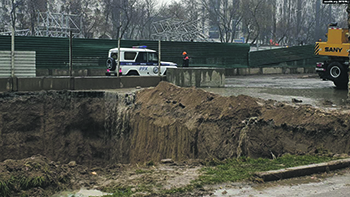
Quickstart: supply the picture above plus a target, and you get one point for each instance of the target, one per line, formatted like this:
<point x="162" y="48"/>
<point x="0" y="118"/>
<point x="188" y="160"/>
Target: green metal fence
<point x="53" y="53"/>
<point x="298" y="56"/>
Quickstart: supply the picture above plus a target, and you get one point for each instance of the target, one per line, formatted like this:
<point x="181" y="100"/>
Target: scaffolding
<point x="58" y="25"/>
<point x="22" y="32"/>
<point x="52" y="25"/>
<point x="179" y="30"/>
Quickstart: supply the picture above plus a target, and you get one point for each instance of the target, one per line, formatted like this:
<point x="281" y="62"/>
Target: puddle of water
<point x="81" y="193"/>
<point x="314" y="97"/>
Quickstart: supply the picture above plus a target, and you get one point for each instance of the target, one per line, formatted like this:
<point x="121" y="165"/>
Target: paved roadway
<point x="310" y="186"/>
<point x="308" y="88"/>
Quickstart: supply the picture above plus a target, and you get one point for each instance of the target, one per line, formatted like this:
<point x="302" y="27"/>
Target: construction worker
<point x="186" y="59"/>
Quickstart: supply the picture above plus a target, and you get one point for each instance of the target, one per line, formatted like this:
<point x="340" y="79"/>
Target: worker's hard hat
<point x="184" y="53"/>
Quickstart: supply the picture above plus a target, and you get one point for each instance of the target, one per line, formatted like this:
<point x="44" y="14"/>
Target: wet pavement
<point x="311" y="186"/>
<point x="310" y="89"/>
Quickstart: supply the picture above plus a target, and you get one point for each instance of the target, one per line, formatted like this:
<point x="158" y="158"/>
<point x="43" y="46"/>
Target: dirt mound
<point x="32" y="176"/>
<point x="185" y="123"/>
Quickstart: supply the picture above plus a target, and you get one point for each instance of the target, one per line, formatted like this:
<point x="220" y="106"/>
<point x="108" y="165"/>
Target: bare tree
<point x="149" y="14"/>
<point x="173" y="10"/>
<point x="224" y="16"/>
<point x="251" y="23"/>
<point x="287" y="22"/>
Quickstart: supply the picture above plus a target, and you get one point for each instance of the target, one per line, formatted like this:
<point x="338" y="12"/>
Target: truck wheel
<point x="338" y="74"/>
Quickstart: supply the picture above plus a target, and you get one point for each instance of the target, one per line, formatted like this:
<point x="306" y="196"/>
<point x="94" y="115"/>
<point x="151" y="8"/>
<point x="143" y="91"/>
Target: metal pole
<point x="13" y="52"/>
<point x="70" y="53"/>
<point x="13" y="15"/>
<point x="159" y="56"/>
<point x="118" y="61"/>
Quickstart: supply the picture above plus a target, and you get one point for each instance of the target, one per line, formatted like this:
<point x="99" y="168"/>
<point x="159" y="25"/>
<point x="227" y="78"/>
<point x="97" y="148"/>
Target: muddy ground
<point x="59" y="141"/>
<point x="56" y="177"/>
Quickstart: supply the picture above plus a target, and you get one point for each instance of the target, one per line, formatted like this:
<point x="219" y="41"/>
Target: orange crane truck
<point x="337" y="46"/>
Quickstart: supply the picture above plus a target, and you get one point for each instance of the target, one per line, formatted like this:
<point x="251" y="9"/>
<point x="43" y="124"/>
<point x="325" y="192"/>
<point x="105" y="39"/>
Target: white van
<point x="136" y="61"/>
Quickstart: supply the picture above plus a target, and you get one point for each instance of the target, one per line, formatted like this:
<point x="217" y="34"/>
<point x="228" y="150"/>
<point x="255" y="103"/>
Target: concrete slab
<point x="96" y="83"/>
<point x="272" y="70"/>
<point x="303" y="170"/>
<point x="75" y="83"/>
<point x="254" y="71"/>
<point x="196" y="76"/>
<point x="6" y="84"/>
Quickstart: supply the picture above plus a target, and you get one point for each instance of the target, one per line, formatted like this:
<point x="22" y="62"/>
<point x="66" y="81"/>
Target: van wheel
<point x="111" y="64"/>
<point x="133" y="73"/>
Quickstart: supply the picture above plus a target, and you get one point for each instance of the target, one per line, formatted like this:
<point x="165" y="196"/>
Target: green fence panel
<point x="53" y="53"/>
<point x="292" y="56"/>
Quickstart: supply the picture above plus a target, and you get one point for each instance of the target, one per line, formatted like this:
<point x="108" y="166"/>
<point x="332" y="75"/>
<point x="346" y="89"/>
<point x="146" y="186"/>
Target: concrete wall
<point x="228" y="71"/>
<point x="65" y="72"/>
<point x="268" y="71"/>
<point x="199" y="77"/>
<point x="5" y="84"/>
<point x="75" y="83"/>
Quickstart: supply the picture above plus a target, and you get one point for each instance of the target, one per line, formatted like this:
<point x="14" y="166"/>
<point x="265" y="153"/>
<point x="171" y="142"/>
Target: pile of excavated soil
<point x="184" y="123"/>
<point x="100" y="130"/>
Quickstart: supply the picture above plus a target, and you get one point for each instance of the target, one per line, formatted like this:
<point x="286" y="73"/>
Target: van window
<point x="144" y="57"/>
<point x="153" y="57"/>
<point x="129" y="55"/>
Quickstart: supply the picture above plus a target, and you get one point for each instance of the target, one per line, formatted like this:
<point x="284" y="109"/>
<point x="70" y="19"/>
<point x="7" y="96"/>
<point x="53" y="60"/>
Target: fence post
<point x="118" y="59"/>
<point x="159" y="56"/>
<point x="70" y="53"/>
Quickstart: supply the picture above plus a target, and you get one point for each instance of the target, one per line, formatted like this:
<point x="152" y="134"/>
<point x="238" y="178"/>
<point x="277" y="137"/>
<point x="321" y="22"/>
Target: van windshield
<point x="147" y="57"/>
